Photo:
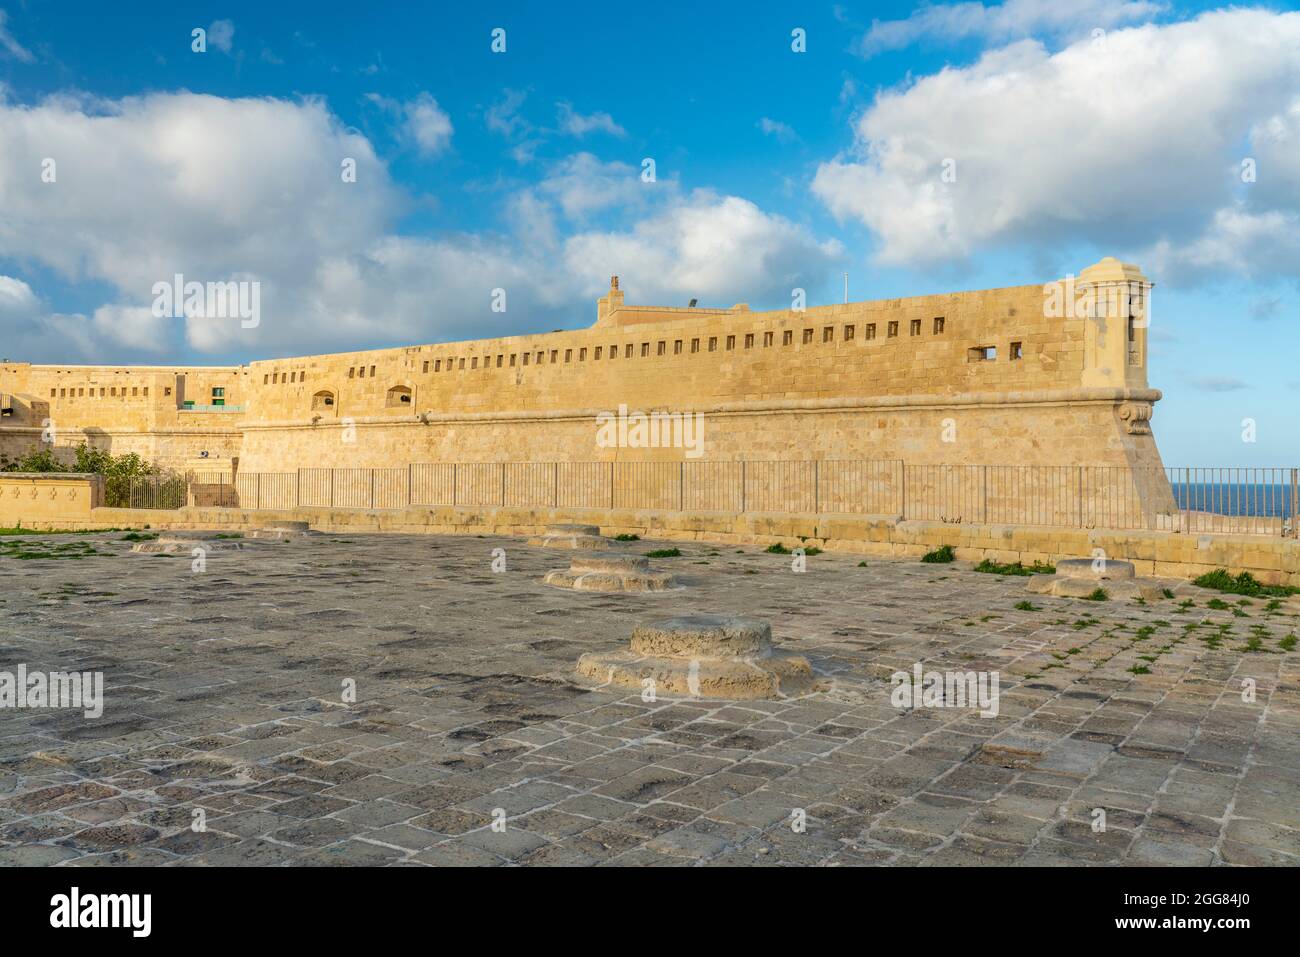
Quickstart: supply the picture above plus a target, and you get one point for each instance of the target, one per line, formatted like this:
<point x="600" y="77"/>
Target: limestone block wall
<point x="41" y="500"/>
<point x="990" y="376"/>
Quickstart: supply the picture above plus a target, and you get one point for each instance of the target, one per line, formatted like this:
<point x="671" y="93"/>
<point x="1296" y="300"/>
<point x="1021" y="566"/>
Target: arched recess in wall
<point x="322" y="401"/>
<point x="399" y="396"/>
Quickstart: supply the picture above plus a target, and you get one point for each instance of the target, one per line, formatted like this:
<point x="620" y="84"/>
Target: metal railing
<point x="1245" y="500"/>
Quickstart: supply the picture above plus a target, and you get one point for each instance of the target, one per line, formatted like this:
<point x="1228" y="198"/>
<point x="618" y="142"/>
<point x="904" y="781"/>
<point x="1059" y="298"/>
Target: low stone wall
<point x="1161" y="554"/>
<point x="49" y="499"/>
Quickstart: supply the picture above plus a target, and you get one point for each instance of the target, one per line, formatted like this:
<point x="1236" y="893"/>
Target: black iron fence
<point x="1241" y="500"/>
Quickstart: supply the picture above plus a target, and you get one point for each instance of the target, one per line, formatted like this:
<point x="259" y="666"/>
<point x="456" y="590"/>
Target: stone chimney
<point x="609" y="304"/>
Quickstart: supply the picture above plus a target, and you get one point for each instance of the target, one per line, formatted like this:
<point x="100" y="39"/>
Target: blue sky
<point x="1075" y="130"/>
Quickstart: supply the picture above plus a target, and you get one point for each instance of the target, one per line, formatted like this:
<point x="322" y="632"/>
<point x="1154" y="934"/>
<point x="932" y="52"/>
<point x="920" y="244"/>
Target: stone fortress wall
<point x="983" y="377"/>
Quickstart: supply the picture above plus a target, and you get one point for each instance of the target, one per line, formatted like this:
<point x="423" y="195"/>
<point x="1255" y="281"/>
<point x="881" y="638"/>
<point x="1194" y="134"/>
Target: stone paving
<point x="225" y="695"/>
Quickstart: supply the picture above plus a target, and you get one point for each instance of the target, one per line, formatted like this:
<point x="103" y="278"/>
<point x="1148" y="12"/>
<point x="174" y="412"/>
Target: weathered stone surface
<point x="222" y="693"/>
<point x="1117" y="589"/>
<point x="1095" y="569"/>
<point x="173" y="542"/>
<point x="703" y="656"/>
<point x="573" y="536"/>
<point x="610" y="571"/>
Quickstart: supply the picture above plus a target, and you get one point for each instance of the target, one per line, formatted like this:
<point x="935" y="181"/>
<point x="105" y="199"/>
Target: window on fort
<point x="527" y="356"/>
<point x="372" y="372"/>
<point x="275" y="378"/>
<point x="767" y="339"/>
<point x="541" y="356"/>
<point x="460" y="363"/>
<point x="473" y="362"/>
<point x="53" y="393"/>
<point x="677" y="347"/>
<point x="167" y="390"/>
<point x="892" y="331"/>
<point x="914" y="327"/>
<point x="981" y="354"/>
<point x="568" y="355"/>
<point x="869" y="331"/>
<point x="146" y="392"/>
<point x="849" y="332"/>
<point x="555" y="356"/>
<point x="695" y="345"/>
<point x="627" y="351"/>
<point x="302" y="376"/>
<point x="112" y="392"/>
<point x="437" y="365"/>
<point x="645" y="349"/>
<point x="426" y="366"/>
<point x="749" y="340"/>
<point x="661" y="348"/>
<point x="63" y="393"/>
<point x="713" y="343"/>
<point x="1017" y="351"/>
<point x="351" y="371"/>
<point x="613" y="352"/>
<point x="807" y="336"/>
<point x="787" y="337"/>
<point x="938" y="325"/>
<point x="322" y="400"/>
<point x="828" y="334"/>
<point x="513" y="356"/>
<point x="598" y="353"/>
<point x="399" y="395"/>
<point x="134" y="391"/>
<point x="731" y="343"/>
<point x="582" y="355"/>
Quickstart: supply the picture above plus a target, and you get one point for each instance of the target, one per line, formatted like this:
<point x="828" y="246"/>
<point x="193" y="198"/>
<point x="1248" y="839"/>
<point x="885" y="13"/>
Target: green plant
<point x="625" y="537"/>
<point x="1218" y="604"/>
<point x="1243" y="584"/>
<point x="941" y="555"/>
<point x="1098" y="594"/>
<point x="1014" y="568"/>
<point x="664" y="553"/>
<point x="1026" y="606"/>
<point x="776" y="548"/>
<point x="1140" y="670"/>
<point x="1287" y="643"/>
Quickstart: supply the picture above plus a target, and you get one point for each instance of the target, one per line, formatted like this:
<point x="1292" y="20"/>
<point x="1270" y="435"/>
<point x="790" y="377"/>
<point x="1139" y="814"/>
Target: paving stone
<point x="467" y="703"/>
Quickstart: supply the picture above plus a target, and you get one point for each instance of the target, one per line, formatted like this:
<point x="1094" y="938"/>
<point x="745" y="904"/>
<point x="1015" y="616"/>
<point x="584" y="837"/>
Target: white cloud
<point x="582" y="185"/>
<point x="717" y="248"/>
<point x="217" y="189"/>
<point x="504" y="116"/>
<point x="428" y="124"/>
<point x="1014" y="19"/>
<point x="577" y="124"/>
<point x="221" y="34"/>
<point x="11" y="46"/>
<point x="16" y="298"/>
<point x="776" y="128"/>
<point x="1135" y="147"/>
<point x="423" y="121"/>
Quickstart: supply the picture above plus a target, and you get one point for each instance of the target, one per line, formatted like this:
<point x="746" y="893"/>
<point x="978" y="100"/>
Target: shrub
<point x="1244" y="584"/>
<point x="940" y="555"/>
<point x="777" y="549"/>
<point x="664" y="553"/>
